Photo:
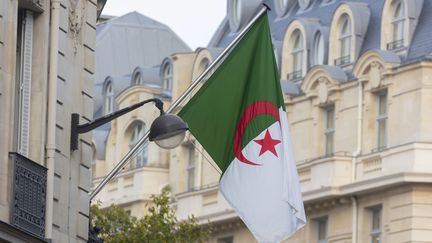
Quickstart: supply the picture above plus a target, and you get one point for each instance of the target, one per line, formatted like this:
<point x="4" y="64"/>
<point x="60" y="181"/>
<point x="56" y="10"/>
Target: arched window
<point x="318" y="49"/>
<point x="137" y="132"/>
<point x="297" y="55"/>
<point x="109" y="98"/>
<point x="137" y="78"/>
<point x="398" y="25"/>
<point x="167" y="77"/>
<point x="345" y="41"/>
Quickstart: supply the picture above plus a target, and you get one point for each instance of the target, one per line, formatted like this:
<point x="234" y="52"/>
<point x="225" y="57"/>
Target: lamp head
<point x="168" y="131"/>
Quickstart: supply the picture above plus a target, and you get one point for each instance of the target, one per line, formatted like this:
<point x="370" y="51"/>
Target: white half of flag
<point x="267" y="197"/>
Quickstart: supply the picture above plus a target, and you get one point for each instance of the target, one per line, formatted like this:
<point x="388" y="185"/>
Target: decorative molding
<point x="76" y="21"/>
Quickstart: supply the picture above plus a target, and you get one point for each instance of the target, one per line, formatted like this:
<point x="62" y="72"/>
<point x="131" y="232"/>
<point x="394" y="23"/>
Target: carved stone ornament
<point x="76" y="20"/>
<point x="323" y="90"/>
<point x="375" y="74"/>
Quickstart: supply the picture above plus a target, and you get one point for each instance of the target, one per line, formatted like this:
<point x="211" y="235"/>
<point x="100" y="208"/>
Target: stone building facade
<point x="47" y="66"/>
<point x="356" y="76"/>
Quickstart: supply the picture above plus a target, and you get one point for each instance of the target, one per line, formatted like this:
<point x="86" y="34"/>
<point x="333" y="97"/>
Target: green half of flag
<point x="248" y="75"/>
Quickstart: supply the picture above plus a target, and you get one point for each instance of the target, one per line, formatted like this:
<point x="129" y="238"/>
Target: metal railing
<point x="394" y="45"/>
<point x="343" y="60"/>
<point x="295" y="75"/>
<point x="28" y="195"/>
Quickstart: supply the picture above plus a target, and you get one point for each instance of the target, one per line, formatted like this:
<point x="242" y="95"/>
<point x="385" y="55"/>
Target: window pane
<point x="376" y="219"/>
<point x="382" y="109"/>
<point x="318" y="55"/>
<point x="382" y="133"/>
<point x="322" y="229"/>
<point x="191" y="169"/>
<point x="330" y="118"/>
<point x="329" y="144"/>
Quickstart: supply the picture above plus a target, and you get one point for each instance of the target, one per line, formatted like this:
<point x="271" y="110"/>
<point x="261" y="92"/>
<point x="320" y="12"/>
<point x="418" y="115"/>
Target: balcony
<point x="296" y="75"/>
<point x="343" y="61"/>
<point x="395" y="45"/>
<point x="28" y="196"/>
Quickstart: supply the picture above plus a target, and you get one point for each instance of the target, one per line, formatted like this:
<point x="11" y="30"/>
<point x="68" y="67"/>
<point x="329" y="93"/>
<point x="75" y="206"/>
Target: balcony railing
<point x="295" y="75"/>
<point x="343" y="60"/>
<point x="394" y="45"/>
<point x="29" y="191"/>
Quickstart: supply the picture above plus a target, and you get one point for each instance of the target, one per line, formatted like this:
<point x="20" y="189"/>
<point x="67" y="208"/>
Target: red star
<point x="268" y="144"/>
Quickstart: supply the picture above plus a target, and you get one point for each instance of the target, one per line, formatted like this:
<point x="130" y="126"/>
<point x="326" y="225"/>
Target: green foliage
<point x="159" y="225"/>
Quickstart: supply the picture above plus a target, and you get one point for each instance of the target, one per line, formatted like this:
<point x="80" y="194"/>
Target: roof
<point x="131" y="40"/>
<point x="420" y="46"/>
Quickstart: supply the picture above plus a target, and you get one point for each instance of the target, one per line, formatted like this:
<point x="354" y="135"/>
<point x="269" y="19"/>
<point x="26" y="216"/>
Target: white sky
<point x="195" y="21"/>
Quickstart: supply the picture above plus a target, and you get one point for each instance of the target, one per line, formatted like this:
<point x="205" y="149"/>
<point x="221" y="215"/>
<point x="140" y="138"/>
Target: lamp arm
<point x="77" y="129"/>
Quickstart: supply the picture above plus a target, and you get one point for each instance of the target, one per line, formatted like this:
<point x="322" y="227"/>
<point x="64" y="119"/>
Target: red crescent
<point x="255" y="109"/>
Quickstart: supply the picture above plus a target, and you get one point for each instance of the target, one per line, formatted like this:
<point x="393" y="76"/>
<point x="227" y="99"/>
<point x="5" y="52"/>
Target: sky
<point x="195" y="21"/>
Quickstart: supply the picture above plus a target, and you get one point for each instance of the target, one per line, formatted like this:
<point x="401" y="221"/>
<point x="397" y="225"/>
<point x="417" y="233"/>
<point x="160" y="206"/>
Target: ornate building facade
<point x="46" y="73"/>
<point x="357" y="80"/>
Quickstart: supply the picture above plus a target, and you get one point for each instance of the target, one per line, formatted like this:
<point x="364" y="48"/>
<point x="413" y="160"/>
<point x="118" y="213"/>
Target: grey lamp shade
<point x="168" y="131"/>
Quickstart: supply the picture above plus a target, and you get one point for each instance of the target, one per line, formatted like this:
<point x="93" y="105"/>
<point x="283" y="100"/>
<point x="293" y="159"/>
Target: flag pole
<point x="177" y="102"/>
<point x="195" y="83"/>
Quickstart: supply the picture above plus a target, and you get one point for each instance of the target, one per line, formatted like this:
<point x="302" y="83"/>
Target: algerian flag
<point x="238" y="116"/>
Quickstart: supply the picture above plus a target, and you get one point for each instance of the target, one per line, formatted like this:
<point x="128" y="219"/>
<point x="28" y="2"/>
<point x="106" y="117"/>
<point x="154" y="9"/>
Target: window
<point x="382" y="120"/>
<point x="191" y="169"/>
<point x="109" y="98"/>
<point x="375" y="232"/>
<point x="297" y="56"/>
<point x="137" y="133"/>
<point x="167" y="77"/>
<point x="318" y="49"/>
<point x="321" y="225"/>
<point x="329" y="131"/>
<point x="398" y="26"/>
<point x="24" y="49"/>
<point x="345" y="41"/>
<point x="229" y="239"/>
<point x="137" y="78"/>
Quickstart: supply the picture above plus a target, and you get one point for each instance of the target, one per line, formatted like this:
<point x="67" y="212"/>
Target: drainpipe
<point x="354" y="219"/>
<point x="355" y="154"/>
<point x="51" y="116"/>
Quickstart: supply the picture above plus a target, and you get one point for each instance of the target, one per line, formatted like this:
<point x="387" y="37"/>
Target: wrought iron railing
<point x="397" y="44"/>
<point x="29" y="191"/>
<point x="342" y="60"/>
<point x="295" y="75"/>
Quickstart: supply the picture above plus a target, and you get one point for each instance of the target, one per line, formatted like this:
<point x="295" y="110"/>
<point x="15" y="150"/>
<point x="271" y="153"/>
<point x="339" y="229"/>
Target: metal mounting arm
<point x="77" y="129"/>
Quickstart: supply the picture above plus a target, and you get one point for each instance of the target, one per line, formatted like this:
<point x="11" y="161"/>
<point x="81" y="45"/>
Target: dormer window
<point x="167" y="77"/>
<point x="345" y="41"/>
<point x="398" y="26"/>
<point x="318" y="49"/>
<point x="137" y="78"/>
<point x="297" y="56"/>
<point x="109" y="98"/>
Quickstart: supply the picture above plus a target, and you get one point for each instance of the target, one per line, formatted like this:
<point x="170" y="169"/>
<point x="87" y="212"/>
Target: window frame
<point x="398" y="23"/>
<point x="109" y="98"/>
<point x="316" y="51"/>
<point x="318" y="222"/>
<point x="167" y="77"/>
<point x="297" y="55"/>
<point x="345" y="40"/>
<point x="329" y="131"/>
<point x="190" y="169"/>
<point x="374" y="232"/>
<point x="381" y="118"/>
<point x="138" y="129"/>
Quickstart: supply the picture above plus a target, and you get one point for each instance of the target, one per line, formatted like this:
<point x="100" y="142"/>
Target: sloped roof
<point x="420" y="46"/>
<point x="132" y="40"/>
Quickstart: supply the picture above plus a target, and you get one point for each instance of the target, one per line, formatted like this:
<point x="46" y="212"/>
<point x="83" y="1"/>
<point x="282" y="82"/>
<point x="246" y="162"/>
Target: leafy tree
<point x="159" y="225"/>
